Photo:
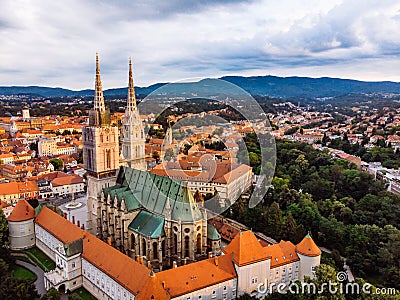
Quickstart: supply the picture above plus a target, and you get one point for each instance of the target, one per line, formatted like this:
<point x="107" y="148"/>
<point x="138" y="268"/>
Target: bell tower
<point x="100" y="152"/>
<point x="133" y="151"/>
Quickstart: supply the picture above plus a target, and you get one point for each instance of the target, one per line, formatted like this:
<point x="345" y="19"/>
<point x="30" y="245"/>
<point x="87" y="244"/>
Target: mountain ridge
<point x="273" y="86"/>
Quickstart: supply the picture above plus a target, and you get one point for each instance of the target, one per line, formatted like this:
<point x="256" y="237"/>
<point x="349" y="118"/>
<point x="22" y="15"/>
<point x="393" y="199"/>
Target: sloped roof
<point x="153" y="192"/>
<point x="246" y="249"/>
<point x="22" y="211"/>
<point x="308" y="247"/>
<point x="58" y="226"/>
<point x="130" y="274"/>
<point x="198" y="275"/>
<point x="282" y="253"/>
<point x="3" y="204"/>
<point x="212" y="233"/>
<point x="67" y="180"/>
<point x="148" y="224"/>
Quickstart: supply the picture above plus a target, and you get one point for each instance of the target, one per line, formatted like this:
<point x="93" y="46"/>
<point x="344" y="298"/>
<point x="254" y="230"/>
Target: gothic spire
<point x="98" y="93"/>
<point x="131" y="105"/>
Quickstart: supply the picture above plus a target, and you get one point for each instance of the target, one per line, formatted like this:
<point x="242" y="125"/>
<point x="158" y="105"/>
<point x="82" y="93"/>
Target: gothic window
<point x="155" y="250"/>
<point x="198" y="245"/>
<point x="186" y="246"/>
<point x="144" y="247"/>
<point x="108" y="159"/>
<point x="101" y="137"/>
<point x="163" y="248"/>
<point x="132" y="241"/>
<point x="176" y="243"/>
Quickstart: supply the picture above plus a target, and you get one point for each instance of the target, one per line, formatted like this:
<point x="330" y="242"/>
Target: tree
<point x="4" y="241"/>
<point x="290" y="229"/>
<point x="12" y="288"/>
<point x="52" y="294"/>
<point x="254" y="159"/>
<point x="57" y="163"/>
<point x="323" y="275"/>
<point x="169" y="154"/>
<point x="156" y="156"/>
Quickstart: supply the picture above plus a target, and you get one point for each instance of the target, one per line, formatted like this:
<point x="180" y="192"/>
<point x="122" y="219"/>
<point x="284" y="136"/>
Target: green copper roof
<point x="148" y="224"/>
<point x="212" y="233"/>
<point x="131" y="202"/>
<point x="157" y="194"/>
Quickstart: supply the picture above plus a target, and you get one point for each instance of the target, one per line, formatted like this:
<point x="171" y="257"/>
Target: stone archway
<point x="61" y="288"/>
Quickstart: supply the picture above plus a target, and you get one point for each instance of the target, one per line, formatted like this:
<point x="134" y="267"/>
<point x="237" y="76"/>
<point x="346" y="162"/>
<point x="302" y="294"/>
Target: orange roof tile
<point x="246" y="249"/>
<point x="67" y="180"/>
<point x="3" y="204"/>
<point x="198" y="275"/>
<point x="22" y="211"/>
<point x="282" y="253"/>
<point x="130" y="274"/>
<point x="308" y="247"/>
<point x="61" y="228"/>
<point x="9" y="188"/>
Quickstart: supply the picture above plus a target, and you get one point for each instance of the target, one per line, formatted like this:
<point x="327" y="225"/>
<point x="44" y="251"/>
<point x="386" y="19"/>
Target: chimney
<point x="65" y="215"/>
<point x="209" y="254"/>
<point x="148" y="264"/>
<point x="164" y="285"/>
<point x="78" y="223"/>
<point x="83" y="226"/>
<point x="216" y="261"/>
<point x="138" y="258"/>
<point x="54" y="208"/>
<point x="174" y="265"/>
<point x="184" y="261"/>
<point x="73" y="219"/>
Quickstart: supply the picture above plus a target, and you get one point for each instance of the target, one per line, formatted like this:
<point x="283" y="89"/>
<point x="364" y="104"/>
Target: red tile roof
<point x="246" y="249"/>
<point x="61" y="228"/>
<point x="281" y="253"/>
<point x="130" y="274"/>
<point x="198" y="275"/>
<point x="308" y="247"/>
<point x="22" y="211"/>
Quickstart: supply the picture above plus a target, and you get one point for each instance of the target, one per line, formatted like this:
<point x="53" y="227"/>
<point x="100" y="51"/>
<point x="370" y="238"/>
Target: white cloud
<point x="53" y="43"/>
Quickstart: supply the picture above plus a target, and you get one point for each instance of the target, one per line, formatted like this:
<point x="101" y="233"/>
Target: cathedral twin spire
<point x="100" y="115"/>
<point x="98" y="94"/>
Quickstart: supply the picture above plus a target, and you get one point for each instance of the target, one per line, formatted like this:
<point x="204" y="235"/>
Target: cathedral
<point x="151" y="218"/>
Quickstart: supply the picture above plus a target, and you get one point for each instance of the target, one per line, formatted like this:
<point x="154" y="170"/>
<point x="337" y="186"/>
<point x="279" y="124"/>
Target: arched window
<point x="198" y="244"/>
<point x="186" y="246"/>
<point x="144" y="247"/>
<point x="163" y="249"/>
<point x="132" y="241"/>
<point x="155" y="250"/>
<point x="176" y="243"/>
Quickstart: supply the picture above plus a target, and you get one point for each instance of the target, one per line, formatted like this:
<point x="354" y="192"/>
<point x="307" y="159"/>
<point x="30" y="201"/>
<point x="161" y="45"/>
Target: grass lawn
<point x="41" y="259"/>
<point x="23" y="273"/>
<point x="84" y="294"/>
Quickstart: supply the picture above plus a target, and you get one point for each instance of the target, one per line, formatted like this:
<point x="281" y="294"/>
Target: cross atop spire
<point x="98" y="93"/>
<point x="131" y="103"/>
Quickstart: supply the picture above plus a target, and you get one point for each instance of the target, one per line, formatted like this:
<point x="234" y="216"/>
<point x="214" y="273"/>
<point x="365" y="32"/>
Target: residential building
<point x="13" y="191"/>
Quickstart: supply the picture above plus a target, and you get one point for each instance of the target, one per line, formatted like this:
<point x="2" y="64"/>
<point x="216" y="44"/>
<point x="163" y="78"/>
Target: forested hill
<point x="273" y="86"/>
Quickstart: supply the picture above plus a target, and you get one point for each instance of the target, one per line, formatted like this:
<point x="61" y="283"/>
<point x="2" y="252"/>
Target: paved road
<point x="39" y="283"/>
<point x="347" y="269"/>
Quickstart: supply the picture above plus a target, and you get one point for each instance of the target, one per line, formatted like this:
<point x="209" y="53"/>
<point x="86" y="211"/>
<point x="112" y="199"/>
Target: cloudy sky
<point x="53" y="43"/>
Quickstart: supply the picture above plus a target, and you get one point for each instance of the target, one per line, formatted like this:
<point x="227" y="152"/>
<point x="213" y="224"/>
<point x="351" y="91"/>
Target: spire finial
<point x="98" y="93"/>
<point x="131" y="105"/>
